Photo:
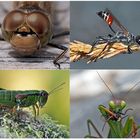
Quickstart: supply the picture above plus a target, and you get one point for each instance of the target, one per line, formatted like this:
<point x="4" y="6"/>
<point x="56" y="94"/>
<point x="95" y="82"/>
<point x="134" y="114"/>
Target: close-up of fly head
<point x="27" y="28"/>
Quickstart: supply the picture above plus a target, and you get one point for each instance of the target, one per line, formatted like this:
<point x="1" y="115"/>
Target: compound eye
<point x="123" y="104"/>
<point x="43" y="93"/>
<point x="138" y="39"/>
<point x="38" y="22"/>
<point x="112" y="104"/>
<point x="13" y="20"/>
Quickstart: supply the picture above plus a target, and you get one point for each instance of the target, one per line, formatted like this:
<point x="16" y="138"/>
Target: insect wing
<point x="107" y="17"/>
<point x="110" y="19"/>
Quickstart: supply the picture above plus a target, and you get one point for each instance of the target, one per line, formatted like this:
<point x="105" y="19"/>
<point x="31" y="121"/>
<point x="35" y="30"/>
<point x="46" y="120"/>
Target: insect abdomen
<point x="106" y="17"/>
<point x="8" y="98"/>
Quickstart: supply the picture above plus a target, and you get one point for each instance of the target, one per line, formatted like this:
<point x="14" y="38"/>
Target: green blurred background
<point x="58" y="104"/>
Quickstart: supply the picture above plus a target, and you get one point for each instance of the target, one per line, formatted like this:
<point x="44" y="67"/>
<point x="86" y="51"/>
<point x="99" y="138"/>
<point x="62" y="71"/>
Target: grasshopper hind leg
<point x="37" y="107"/>
<point x="35" y="112"/>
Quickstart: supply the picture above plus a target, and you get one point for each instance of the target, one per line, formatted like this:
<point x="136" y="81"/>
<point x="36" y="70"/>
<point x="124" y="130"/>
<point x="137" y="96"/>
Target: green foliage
<point x="23" y="125"/>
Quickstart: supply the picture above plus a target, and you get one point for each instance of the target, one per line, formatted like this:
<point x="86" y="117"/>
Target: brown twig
<point x="80" y="50"/>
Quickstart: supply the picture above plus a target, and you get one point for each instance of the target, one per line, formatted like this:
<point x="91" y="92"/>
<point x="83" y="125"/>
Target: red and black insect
<point x="107" y="17"/>
<point x="122" y="36"/>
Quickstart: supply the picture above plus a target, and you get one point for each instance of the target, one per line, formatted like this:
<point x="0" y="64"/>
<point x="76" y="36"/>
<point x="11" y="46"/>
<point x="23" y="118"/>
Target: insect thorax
<point x="123" y="38"/>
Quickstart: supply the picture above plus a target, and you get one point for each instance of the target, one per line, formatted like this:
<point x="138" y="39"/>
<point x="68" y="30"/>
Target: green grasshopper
<point x="17" y="98"/>
<point x="114" y="116"/>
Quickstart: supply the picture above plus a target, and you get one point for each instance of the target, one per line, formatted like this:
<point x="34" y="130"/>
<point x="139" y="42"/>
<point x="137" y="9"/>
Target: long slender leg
<point x="108" y="44"/>
<point x="129" y="49"/>
<point x="99" y="40"/>
<point x="111" y="29"/>
<point x="61" y="34"/>
<point x="101" y="52"/>
<point x="129" y="109"/>
<point x="106" y="122"/>
<point x="65" y="49"/>
<point x="37" y="107"/>
<point x="34" y="109"/>
<point x="124" y="117"/>
<point x="89" y="123"/>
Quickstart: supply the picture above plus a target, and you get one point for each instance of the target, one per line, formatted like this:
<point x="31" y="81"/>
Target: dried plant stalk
<point x="80" y="50"/>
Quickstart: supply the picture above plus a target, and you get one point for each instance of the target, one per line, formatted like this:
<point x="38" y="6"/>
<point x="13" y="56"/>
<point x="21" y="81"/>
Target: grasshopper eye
<point x="13" y="20"/>
<point x="112" y="104"/>
<point x="43" y="94"/>
<point x="38" y="22"/>
<point x="138" y="39"/>
<point x="43" y="98"/>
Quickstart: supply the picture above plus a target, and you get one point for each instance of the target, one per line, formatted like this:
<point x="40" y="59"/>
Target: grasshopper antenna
<point x="131" y="89"/>
<point x="57" y="88"/>
<point x="106" y="85"/>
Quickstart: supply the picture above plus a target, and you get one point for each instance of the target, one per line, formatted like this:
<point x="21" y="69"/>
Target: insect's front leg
<point x="106" y="112"/>
<point x="61" y="34"/>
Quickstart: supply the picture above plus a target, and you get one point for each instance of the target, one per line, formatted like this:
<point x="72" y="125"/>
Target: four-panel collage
<point x="69" y="69"/>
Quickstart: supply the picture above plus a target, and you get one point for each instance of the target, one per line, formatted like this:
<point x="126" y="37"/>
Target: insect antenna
<point x="57" y="88"/>
<point x="106" y="85"/>
<point x="127" y="93"/>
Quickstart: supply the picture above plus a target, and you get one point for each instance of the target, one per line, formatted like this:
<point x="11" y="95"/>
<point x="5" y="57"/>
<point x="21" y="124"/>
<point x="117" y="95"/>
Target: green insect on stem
<point x="114" y="116"/>
<point x="17" y="98"/>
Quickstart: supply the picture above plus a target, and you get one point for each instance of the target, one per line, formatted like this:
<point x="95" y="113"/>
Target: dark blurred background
<point x="88" y="91"/>
<point x="86" y="25"/>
